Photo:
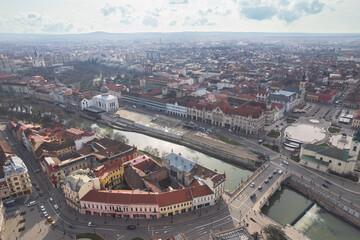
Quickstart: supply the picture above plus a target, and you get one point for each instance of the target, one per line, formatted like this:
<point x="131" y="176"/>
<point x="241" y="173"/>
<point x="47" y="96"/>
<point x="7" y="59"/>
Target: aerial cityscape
<point x="180" y="120"/>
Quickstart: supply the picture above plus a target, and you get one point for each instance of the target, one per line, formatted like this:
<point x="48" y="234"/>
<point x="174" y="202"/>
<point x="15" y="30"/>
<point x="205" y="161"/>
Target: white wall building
<point x="103" y="101"/>
<point x="176" y="109"/>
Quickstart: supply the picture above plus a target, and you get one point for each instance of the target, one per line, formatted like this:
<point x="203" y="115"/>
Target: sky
<point x="123" y="16"/>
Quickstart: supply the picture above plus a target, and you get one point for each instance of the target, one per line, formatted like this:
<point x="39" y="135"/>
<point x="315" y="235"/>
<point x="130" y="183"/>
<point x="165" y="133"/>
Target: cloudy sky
<point x="80" y="16"/>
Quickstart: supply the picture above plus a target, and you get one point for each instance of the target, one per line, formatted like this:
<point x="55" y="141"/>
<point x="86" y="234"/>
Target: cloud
<point x="107" y="10"/>
<point x="126" y="14"/>
<point x="203" y="21"/>
<point x="60" y="27"/>
<point x="172" y="23"/>
<point x="178" y="2"/>
<point x="150" y="21"/>
<point x="156" y="12"/>
<point x="259" y="13"/>
<point x="301" y="9"/>
<point x="285" y="10"/>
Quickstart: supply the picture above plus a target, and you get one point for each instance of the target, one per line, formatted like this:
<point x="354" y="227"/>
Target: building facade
<point x="104" y="101"/>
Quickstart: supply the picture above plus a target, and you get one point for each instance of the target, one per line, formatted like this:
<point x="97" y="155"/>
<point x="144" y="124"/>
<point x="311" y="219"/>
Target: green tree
<point x="256" y="235"/>
<point x="274" y="233"/>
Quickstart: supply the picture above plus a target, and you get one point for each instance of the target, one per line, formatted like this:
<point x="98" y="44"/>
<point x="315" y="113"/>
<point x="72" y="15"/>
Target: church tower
<point x="355" y="145"/>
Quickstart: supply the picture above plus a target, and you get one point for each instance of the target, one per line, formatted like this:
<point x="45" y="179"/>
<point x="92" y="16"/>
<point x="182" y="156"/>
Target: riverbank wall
<point x="126" y="125"/>
<point x="332" y="203"/>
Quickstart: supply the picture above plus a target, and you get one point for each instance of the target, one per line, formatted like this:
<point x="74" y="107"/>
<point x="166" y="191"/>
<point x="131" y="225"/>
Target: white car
<point x="91" y="224"/>
<point x="51" y="199"/>
<point x="56" y="207"/>
<point x="45" y="214"/>
<point x="252" y="185"/>
<point x="42" y="208"/>
<point x="285" y="162"/>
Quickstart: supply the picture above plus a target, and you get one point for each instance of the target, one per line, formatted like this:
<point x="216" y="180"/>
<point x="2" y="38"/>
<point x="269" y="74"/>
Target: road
<point x="195" y="225"/>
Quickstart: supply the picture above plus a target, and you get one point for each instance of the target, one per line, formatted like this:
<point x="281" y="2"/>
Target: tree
<point x="120" y="137"/>
<point x="274" y="233"/>
<point x="148" y="149"/>
<point x="256" y="235"/>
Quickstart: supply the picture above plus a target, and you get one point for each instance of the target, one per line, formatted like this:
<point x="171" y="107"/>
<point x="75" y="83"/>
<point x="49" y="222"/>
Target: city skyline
<point x="305" y="16"/>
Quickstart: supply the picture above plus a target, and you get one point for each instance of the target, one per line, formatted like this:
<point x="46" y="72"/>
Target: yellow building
<point x="17" y="177"/>
<point x="175" y="202"/>
<point x="111" y="174"/>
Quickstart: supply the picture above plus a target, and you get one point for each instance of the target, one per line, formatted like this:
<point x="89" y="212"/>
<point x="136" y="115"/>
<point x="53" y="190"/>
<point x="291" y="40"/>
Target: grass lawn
<point x="91" y="236"/>
<point x="227" y="140"/>
<point x="274" y="148"/>
<point x="334" y="130"/>
<point x="349" y="177"/>
<point x="324" y="145"/>
<point x="290" y="120"/>
<point x="274" y="134"/>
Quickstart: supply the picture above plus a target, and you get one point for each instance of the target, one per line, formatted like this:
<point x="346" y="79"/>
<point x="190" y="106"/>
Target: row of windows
<point x="176" y="206"/>
<point x="124" y="209"/>
<point x="203" y="199"/>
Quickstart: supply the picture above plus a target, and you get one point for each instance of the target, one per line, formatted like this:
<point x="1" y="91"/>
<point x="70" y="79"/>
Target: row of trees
<point x="272" y="232"/>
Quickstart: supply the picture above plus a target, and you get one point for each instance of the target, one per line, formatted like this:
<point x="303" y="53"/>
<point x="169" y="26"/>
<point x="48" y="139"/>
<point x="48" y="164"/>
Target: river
<point x="317" y="224"/>
<point x="234" y="174"/>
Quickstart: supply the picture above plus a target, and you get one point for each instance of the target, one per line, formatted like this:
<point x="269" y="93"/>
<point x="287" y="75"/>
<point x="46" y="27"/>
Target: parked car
<point x="49" y="218"/>
<point x="266" y="180"/>
<point x="280" y="172"/>
<point x="53" y="223"/>
<point x="270" y="177"/>
<point x="253" y="196"/>
<point x="42" y="208"/>
<point x="37" y="188"/>
<point x="45" y="214"/>
<point x="131" y="227"/>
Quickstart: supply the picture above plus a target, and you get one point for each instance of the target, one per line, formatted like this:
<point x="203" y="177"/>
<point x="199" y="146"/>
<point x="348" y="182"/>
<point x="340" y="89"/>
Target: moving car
<point x="32" y="203"/>
<point x="328" y="182"/>
<point x="37" y="188"/>
<point x="252" y="196"/>
<point x="266" y="180"/>
<point x="91" y="224"/>
<point x="41" y="194"/>
<point x="285" y="162"/>
<point x="51" y="199"/>
<point x="72" y="226"/>
<point x="56" y="207"/>
<point x="260" y="187"/>
<point x="280" y="172"/>
<point x="324" y="185"/>
<point x="270" y="177"/>
<point x="131" y="227"/>
<point x="252" y="184"/>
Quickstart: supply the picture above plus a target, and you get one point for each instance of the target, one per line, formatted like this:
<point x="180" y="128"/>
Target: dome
<point x="104" y="89"/>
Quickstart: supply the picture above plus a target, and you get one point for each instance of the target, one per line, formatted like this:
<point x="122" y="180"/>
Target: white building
<point x="103" y="101"/>
<point x="176" y="109"/>
<point x="38" y="60"/>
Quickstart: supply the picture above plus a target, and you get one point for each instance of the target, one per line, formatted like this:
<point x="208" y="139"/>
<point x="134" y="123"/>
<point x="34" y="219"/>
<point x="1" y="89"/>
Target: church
<point x="104" y="102"/>
<point x="331" y="158"/>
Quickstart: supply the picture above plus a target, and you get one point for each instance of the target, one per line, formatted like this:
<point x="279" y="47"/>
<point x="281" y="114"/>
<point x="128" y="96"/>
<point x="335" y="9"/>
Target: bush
<point x="334" y="130"/>
<point x="274" y="148"/>
<point x="91" y="236"/>
<point x="290" y="120"/>
<point x="22" y="213"/>
<point x="273" y="134"/>
<point x="21" y="229"/>
<point x="21" y="221"/>
<point x="295" y="158"/>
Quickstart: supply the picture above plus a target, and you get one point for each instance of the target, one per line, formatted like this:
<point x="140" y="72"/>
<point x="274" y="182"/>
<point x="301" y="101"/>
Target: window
<point x="330" y="161"/>
<point x="339" y="164"/>
<point x="354" y="148"/>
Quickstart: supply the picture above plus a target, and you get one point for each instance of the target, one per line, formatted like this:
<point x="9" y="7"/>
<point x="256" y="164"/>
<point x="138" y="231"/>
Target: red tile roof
<point x="174" y="197"/>
<point x="200" y="191"/>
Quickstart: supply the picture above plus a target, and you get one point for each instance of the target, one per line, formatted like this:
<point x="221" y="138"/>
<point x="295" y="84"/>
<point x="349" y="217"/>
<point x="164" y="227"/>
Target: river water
<point x="317" y="224"/>
<point x="234" y="174"/>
